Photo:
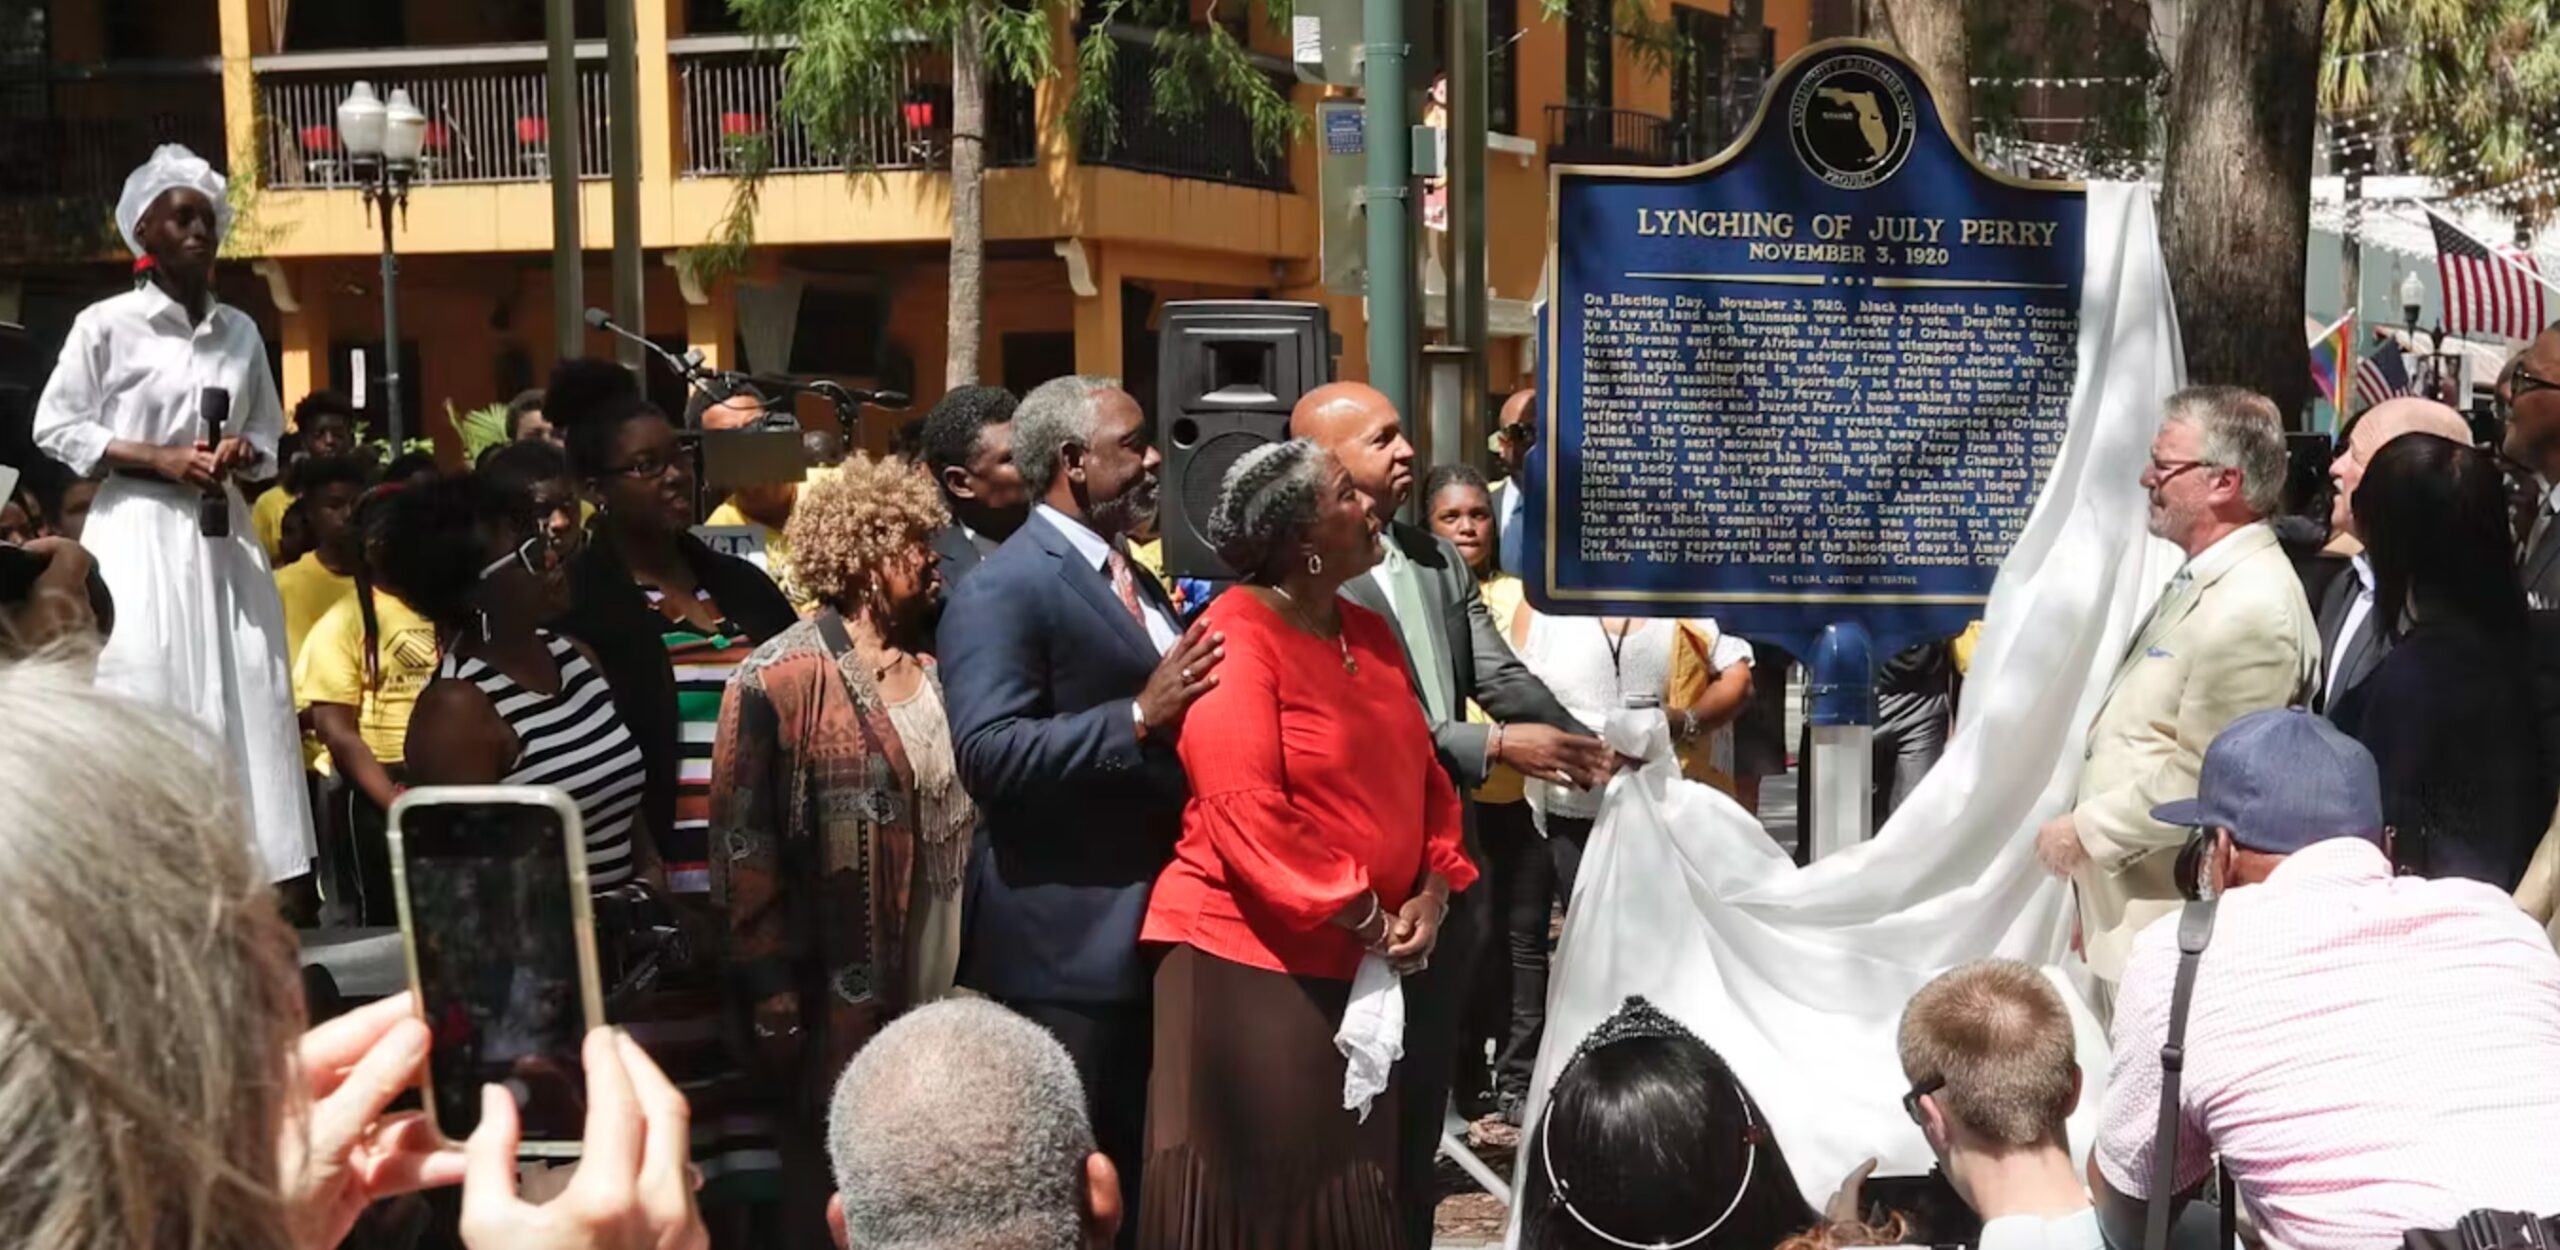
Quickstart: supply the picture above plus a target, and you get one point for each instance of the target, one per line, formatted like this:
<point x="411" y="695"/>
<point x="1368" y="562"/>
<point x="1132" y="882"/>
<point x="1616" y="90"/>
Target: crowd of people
<point x="1017" y="895"/>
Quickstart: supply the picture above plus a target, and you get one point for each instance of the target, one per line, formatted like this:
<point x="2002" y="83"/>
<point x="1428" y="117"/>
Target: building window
<point x="1502" y="68"/>
<point x="1697" y="83"/>
<point x="1590" y="62"/>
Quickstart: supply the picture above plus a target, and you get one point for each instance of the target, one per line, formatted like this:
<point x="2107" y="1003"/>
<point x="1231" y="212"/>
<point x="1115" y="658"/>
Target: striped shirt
<point x="573" y="740"/>
<point x="2368" y="1053"/>
<point x="703" y="664"/>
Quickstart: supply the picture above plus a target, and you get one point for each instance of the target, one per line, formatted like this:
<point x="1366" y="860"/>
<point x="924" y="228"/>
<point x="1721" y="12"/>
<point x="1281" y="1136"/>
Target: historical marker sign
<point x="1819" y="378"/>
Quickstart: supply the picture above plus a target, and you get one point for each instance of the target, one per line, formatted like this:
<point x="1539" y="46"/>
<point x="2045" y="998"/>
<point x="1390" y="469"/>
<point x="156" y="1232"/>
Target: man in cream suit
<point x="2232" y="634"/>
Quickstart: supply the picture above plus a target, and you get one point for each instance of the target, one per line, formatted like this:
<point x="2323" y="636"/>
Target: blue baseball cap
<point x="2282" y="780"/>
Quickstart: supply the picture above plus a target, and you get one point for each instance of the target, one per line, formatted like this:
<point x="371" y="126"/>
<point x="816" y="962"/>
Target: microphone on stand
<point x="213" y="508"/>
<point x="687" y="367"/>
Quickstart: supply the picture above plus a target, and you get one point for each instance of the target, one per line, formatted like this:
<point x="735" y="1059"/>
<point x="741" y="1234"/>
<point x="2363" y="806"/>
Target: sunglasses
<point x="537" y="555"/>
<point x="1911" y="1100"/>
<point x="2520" y="383"/>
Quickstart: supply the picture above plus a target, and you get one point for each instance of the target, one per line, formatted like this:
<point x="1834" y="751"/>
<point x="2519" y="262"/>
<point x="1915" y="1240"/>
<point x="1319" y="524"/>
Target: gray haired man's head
<point x="962" y="1126"/>
<point x="1056" y="413"/>
<point x="2241" y="430"/>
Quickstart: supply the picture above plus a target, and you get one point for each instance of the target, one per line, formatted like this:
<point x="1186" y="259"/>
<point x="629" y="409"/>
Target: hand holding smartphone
<point x="500" y="939"/>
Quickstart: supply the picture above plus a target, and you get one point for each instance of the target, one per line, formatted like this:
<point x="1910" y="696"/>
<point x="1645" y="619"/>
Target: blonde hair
<point x="1997" y="1033"/>
<point x="850" y="523"/>
<point x="148" y="995"/>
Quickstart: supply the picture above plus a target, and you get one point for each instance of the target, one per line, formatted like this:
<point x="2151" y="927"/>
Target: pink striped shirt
<point x="2368" y="1053"/>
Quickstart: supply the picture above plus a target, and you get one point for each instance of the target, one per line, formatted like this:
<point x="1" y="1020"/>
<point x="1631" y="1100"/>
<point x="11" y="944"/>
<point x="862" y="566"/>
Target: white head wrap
<point x="169" y="169"/>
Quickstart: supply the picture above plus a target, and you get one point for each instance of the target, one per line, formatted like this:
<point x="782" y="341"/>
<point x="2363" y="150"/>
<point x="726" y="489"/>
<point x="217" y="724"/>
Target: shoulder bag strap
<point x="831" y="631"/>
<point x="2195" y="931"/>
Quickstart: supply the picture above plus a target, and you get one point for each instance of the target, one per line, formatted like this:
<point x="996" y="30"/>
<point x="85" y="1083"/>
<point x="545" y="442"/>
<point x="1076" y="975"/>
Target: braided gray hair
<point x="1267" y="498"/>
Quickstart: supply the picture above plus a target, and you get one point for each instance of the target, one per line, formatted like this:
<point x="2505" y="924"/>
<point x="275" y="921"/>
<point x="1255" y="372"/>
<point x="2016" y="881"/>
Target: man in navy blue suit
<point x="1067" y="678"/>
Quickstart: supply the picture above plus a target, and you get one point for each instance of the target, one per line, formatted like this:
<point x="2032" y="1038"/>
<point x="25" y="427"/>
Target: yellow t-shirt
<point x="330" y="669"/>
<point x="267" y="517"/>
<point x="777" y="553"/>
<point x="1503" y="595"/>
<point x="309" y="590"/>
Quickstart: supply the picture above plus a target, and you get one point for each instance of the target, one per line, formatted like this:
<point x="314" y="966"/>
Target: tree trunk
<point x="2235" y="201"/>
<point x="968" y="199"/>
<point x="1931" y="33"/>
<point x="1742" y="66"/>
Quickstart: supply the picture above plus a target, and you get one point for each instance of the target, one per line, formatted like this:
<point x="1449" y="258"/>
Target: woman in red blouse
<point x="1320" y="829"/>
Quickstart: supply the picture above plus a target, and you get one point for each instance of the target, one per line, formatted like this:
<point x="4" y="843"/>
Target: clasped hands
<point x="201" y="466"/>
<point x="1403" y="937"/>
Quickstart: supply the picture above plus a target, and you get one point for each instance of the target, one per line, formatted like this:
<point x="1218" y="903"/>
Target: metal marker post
<point x="1843" y="694"/>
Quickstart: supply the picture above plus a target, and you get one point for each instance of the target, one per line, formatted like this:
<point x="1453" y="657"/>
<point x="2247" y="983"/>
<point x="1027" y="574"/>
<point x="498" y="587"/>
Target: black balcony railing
<point x="1215" y="144"/>
<point x="1580" y="134"/>
<point x="60" y="174"/>
<point x="732" y="106"/>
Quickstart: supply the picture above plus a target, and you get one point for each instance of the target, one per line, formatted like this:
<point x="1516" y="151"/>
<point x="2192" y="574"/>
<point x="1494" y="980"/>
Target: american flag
<point x="2486" y="291"/>
<point x="2382" y="375"/>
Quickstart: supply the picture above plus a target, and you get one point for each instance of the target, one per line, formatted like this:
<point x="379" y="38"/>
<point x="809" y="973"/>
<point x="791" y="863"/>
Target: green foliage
<point x="1654" y="42"/>
<point x="480" y="429"/>
<point x="848" y="67"/>
<point x="2013" y="40"/>
<point x="726" y="251"/>
<point x="2468" y="90"/>
<point x="384" y="453"/>
<point x="2480" y="91"/>
<point x="252" y="235"/>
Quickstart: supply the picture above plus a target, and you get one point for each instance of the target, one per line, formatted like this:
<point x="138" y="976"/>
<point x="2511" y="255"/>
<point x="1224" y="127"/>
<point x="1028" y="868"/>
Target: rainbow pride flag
<point x="2333" y="358"/>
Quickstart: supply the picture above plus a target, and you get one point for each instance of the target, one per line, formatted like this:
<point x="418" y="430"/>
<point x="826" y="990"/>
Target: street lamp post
<point x="385" y="139"/>
<point x="2413" y="294"/>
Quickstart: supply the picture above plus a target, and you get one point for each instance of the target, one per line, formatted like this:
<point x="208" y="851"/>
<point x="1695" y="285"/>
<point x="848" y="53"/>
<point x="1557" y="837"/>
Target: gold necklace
<point x="1296" y="616"/>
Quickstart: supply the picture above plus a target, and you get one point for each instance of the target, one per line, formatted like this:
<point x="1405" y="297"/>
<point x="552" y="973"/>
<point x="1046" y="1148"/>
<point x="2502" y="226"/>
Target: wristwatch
<point x="1138" y="717"/>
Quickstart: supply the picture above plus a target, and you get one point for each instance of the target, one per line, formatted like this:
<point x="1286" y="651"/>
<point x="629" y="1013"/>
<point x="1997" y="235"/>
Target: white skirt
<point x="198" y="628"/>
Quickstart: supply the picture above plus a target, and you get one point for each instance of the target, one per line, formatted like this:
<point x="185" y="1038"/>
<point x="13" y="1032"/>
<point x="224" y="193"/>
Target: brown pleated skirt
<point x="1248" y="1147"/>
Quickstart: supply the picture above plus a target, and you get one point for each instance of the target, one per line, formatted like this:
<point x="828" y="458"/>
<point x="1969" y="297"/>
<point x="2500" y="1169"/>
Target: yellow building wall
<point x="476" y="251"/>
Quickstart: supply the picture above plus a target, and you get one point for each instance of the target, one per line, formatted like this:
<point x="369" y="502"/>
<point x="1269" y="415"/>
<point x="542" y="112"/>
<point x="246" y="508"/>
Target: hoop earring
<point x="1315" y="565"/>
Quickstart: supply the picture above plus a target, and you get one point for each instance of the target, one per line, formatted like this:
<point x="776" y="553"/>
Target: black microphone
<point x="687" y="367"/>
<point x="213" y="508"/>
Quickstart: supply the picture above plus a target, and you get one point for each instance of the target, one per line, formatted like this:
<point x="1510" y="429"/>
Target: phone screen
<point x="490" y="903"/>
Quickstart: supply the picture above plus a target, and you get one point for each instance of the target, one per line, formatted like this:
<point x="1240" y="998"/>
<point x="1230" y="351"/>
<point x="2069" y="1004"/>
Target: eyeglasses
<point x="1911" y="1101"/>
<point x="2164" y="472"/>
<point x="537" y="555"/>
<point x="2520" y="383"/>
<point x="649" y="468"/>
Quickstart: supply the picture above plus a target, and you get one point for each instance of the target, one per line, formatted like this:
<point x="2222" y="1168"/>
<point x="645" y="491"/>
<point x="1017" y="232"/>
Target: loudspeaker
<point x="1229" y="371"/>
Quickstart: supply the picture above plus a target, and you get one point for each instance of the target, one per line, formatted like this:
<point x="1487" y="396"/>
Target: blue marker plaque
<point x="1818" y="378"/>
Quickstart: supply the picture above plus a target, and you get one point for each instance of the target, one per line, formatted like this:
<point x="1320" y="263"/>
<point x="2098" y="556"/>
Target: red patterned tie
<point x="1124" y="583"/>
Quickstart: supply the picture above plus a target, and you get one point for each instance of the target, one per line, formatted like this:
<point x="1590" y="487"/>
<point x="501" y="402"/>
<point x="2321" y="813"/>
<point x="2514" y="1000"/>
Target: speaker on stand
<point x="1229" y="372"/>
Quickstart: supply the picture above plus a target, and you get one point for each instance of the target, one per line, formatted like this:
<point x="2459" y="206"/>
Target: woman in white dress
<point x="1594" y="664"/>
<point x="198" y="625"/>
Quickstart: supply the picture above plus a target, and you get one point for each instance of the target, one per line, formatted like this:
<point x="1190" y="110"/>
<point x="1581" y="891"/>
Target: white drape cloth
<point x="1798" y="977"/>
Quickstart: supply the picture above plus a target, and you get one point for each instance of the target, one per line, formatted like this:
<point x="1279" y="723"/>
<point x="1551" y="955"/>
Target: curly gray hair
<point x="1267" y="498"/>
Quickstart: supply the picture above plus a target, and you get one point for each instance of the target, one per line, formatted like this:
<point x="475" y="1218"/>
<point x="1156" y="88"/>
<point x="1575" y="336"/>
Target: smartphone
<point x="1932" y="1212"/>
<point x="500" y="939"/>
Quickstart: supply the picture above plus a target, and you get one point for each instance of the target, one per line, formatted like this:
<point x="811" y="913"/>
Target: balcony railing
<point x="1581" y="134"/>
<point x="104" y="120"/>
<point x="488" y="113"/>
<point x="1216" y="145"/>
<point x="60" y="173"/>
<point x="731" y="102"/>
